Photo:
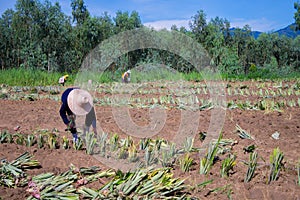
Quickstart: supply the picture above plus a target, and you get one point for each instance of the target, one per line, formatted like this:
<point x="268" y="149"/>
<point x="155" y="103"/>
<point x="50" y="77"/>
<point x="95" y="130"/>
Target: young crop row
<point x="159" y="152"/>
<point x="275" y="88"/>
<point x="31" y="89"/>
<point x="206" y="90"/>
<point x="189" y="102"/>
<point x="266" y="92"/>
<point x="195" y="103"/>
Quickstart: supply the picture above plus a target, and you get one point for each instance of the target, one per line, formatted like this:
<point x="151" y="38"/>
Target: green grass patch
<point x="29" y="77"/>
<point x="147" y="73"/>
<point x="33" y="77"/>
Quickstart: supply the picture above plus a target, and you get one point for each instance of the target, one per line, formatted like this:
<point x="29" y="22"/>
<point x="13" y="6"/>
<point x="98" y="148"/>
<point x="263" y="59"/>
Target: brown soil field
<point x="44" y="114"/>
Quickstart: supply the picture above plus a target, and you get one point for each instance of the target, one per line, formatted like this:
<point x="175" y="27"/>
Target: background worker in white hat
<point x="62" y="80"/>
<point x="126" y="76"/>
<point x="76" y="101"/>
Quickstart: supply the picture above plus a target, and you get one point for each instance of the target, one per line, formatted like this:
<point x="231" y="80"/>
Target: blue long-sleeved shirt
<point x="64" y="109"/>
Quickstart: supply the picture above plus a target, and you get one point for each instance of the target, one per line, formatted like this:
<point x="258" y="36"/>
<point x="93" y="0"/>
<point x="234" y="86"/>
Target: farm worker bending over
<point x="90" y="119"/>
<point x="76" y="101"/>
<point x="126" y="76"/>
<point x="63" y="79"/>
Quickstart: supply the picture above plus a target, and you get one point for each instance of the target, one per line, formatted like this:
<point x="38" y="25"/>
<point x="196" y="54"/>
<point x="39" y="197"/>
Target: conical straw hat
<point x="80" y="102"/>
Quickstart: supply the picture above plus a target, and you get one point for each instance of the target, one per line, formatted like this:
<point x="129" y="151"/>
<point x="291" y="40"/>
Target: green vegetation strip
<point x="153" y="183"/>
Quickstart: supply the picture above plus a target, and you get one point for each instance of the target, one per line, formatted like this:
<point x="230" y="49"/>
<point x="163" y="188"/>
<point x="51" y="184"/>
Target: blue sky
<point x="261" y="15"/>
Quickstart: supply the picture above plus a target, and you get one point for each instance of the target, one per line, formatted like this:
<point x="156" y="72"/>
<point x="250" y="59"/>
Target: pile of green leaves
<point x="140" y="184"/>
<point x="63" y="186"/>
<point x="12" y="174"/>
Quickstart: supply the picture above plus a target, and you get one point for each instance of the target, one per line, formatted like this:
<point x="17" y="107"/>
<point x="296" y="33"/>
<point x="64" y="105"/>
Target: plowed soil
<point x="44" y="114"/>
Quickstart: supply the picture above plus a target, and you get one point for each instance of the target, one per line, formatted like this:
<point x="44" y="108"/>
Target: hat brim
<point x="75" y="102"/>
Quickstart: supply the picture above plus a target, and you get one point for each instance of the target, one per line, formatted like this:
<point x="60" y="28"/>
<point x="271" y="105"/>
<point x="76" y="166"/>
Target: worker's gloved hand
<point x="75" y="137"/>
<point x="95" y="131"/>
<point x="73" y="130"/>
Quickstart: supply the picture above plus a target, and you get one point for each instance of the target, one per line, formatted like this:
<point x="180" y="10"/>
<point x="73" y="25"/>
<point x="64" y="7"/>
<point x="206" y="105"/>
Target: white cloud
<point x="161" y="24"/>
<point x="263" y="24"/>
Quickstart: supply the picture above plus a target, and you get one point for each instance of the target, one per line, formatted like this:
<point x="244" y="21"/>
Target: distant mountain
<point x="255" y="34"/>
<point x="288" y="31"/>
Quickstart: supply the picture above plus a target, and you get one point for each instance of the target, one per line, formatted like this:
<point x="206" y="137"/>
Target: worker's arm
<point x="63" y="113"/>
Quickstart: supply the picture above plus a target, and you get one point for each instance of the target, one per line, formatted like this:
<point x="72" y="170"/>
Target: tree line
<point x="39" y="35"/>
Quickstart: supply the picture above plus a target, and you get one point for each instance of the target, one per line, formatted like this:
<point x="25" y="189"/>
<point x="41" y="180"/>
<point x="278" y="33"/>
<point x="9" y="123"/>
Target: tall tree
<point x="107" y="25"/>
<point x="281" y="49"/>
<point x="297" y="14"/>
<point x="214" y="40"/>
<point x="295" y="54"/>
<point x="79" y="12"/>
<point x="198" y="26"/>
<point x="6" y="39"/>
<point x="227" y="34"/>
<point x="243" y="42"/>
<point x="124" y="21"/>
<point x="55" y="25"/>
<point x="264" y="49"/>
<point x="26" y="30"/>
